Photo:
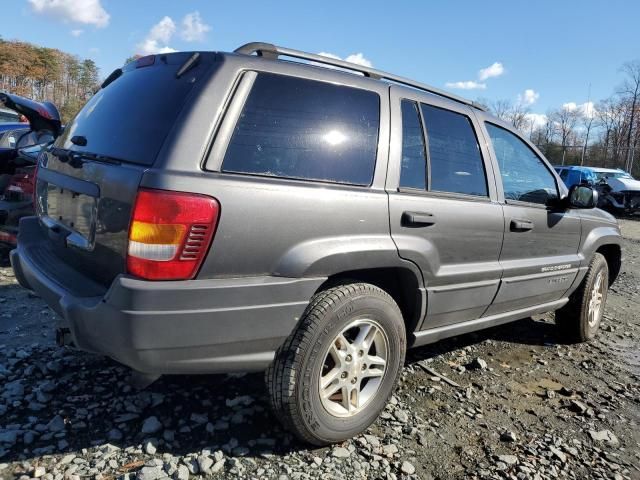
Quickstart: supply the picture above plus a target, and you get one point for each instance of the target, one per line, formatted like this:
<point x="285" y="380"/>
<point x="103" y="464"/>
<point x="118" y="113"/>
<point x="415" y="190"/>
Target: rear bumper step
<point x="182" y="327"/>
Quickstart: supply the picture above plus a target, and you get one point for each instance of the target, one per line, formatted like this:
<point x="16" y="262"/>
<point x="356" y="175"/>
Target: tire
<point x="578" y="320"/>
<point x="293" y="379"/>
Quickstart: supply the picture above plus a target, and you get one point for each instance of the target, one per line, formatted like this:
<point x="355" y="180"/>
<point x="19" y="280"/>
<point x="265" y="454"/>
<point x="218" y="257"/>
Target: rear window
<point x="130" y="118"/>
<point x="305" y="129"/>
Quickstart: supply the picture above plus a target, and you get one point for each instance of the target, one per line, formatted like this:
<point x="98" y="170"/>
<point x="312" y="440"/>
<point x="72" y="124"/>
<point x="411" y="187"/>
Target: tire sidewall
<point x="598" y="265"/>
<point x="327" y="427"/>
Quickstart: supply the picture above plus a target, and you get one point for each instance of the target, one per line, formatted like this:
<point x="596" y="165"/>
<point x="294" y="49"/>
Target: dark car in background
<point x="20" y="145"/>
<point x="576" y="175"/>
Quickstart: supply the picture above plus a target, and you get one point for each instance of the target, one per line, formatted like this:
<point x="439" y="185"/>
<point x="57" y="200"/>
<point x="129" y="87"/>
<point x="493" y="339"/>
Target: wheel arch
<point x="401" y="283"/>
<point x="613" y="255"/>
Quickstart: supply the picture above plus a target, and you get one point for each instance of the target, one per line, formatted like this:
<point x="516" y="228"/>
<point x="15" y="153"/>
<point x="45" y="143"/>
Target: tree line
<point x="600" y="134"/>
<point x="47" y="74"/>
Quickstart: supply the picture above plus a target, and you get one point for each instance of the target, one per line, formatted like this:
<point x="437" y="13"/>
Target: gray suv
<point x="270" y="209"/>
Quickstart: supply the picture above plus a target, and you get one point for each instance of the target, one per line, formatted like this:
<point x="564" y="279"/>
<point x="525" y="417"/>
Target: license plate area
<point x="75" y="212"/>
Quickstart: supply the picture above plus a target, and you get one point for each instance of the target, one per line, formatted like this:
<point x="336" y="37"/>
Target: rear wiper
<point x="191" y="62"/>
<point x="99" y="158"/>
<point x="71" y="157"/>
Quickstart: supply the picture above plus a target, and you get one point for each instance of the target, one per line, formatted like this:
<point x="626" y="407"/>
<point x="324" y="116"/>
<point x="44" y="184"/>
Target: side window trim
<point x="425" y="147"/>
<point x="222" y="137"/>
<point x="427" y="154"/>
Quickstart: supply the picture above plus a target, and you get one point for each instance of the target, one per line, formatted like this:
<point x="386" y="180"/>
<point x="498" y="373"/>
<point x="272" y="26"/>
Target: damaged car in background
<point x="619" y="191"/>
<point x="19" y="150"/>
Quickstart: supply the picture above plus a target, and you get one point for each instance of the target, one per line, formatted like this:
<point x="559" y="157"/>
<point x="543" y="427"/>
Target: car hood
<point x="620" y="184"/>
<point x="41" y="116"/>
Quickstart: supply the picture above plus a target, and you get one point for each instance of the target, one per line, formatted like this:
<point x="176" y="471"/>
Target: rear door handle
<point x="417" y="219"/>
<point x="521" y="225"/>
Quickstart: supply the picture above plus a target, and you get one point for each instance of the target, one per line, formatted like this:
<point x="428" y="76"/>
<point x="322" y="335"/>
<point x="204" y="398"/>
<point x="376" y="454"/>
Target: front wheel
<point x="580" y="319"/>
<point x="338" y="369"/>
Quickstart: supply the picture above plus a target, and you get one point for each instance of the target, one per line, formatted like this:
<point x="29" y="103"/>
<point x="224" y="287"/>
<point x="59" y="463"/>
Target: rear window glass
<point x="305" y="129"/>
<point x="130" y="118"/>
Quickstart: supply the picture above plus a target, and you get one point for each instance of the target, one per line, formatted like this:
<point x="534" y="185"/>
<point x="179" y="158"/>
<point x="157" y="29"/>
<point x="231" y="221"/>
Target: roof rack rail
<point x="271" y="51"/>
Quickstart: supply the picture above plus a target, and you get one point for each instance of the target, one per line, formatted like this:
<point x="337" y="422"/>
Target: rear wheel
<point x="337" y="370"/>
<point x="580" y="319"/>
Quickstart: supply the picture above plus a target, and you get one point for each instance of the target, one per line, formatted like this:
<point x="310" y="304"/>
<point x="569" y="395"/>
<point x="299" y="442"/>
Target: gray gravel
<point x="519" y="404"/>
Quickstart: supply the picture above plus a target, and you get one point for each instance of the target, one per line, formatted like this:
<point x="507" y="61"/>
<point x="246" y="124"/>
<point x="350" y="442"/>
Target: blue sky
<point x="555" y="49"/>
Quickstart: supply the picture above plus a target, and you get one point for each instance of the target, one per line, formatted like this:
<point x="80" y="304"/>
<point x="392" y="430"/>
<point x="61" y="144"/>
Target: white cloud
<point x="529" y="97"/>
<point x="158" y="38"/>
<point x="77" y="32"/>
<point x="494" y="70"/>
<point x="587" y="108"/>
<point x="357" y="58"/>
<point x="87" y="12"/>
<point x="193" y="28"/>
<point x="537" y="119"/>
<point x="468" y="85"/>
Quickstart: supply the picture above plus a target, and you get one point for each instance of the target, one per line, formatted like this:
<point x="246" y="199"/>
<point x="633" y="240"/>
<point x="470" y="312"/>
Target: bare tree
<point x="631" y="90"/>
<point x="514" y="113"/>
<point x="587" y="117"/>
<point x="565" y="120"/>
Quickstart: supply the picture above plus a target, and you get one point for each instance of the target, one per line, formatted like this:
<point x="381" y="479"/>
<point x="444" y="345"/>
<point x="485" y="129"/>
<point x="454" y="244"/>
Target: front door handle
<point x="521" y="225"/>
<point x="417" y="219"/>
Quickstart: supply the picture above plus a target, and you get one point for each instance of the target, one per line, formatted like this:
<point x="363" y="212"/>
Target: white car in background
<point x="619" y="191"/>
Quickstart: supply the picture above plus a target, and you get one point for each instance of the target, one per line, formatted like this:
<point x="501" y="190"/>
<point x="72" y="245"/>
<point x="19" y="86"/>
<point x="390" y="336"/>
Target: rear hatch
<point x="88" y="181"/>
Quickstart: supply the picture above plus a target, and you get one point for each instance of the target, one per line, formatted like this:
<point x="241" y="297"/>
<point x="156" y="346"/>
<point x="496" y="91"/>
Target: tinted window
<point x="564" y="173"/>
<point x="297" y="128"/>
<point x="454" y="154"/>
<point x="130" y="118"/>
<point x="413" y="165"/>
<point x="524" y="176"/>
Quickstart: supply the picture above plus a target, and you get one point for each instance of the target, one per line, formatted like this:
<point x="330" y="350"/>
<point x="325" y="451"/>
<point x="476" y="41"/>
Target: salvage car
<point x="275" y="210"/>
<point x="19" y="149"/>
<point x="619" y="191"/>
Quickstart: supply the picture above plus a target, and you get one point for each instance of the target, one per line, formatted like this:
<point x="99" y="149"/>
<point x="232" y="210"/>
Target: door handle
<point x="521" y="225"/>
<point x="417" y="219"/>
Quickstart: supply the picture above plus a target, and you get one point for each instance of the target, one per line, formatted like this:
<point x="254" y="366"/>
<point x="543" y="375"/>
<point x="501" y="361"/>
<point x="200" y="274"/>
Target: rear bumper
<point x="196" y="326"/>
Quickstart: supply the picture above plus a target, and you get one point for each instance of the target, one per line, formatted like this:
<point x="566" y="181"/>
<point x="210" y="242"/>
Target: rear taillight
<point x="170" y="234"/>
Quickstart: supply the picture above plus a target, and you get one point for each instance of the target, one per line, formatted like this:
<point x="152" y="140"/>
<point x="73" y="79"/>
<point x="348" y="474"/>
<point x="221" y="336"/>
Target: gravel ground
<point x="510" y="402"/>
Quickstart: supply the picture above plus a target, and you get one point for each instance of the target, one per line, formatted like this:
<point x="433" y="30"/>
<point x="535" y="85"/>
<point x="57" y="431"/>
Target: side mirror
<point x="582" y="196"/>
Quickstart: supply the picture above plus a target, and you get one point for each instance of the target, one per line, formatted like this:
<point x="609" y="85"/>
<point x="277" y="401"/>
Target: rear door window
<point x="455" y="162"/>
<point x="305" y="129"/>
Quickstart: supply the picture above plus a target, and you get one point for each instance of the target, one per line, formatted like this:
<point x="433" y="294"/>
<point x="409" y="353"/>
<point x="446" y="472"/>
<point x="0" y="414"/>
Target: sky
<point x="543" y="54"/>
